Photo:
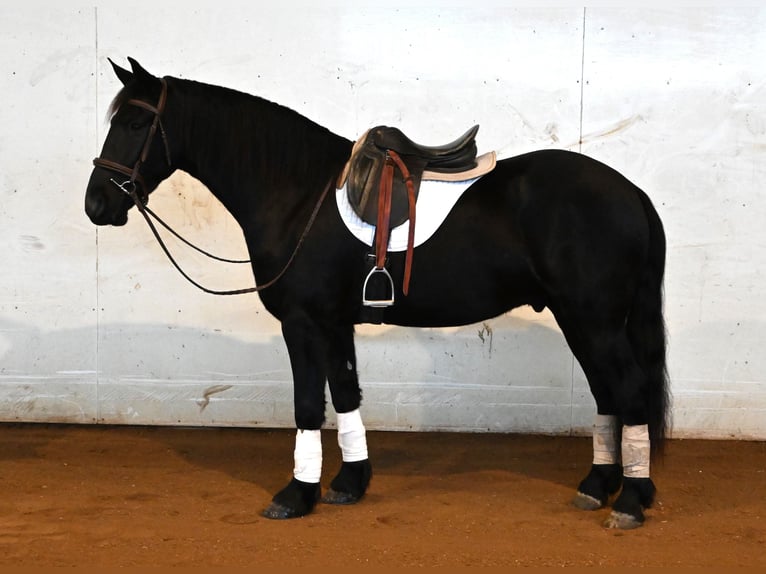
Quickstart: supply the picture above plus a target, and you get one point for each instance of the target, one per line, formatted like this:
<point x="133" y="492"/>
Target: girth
<point x="383" y="180"/>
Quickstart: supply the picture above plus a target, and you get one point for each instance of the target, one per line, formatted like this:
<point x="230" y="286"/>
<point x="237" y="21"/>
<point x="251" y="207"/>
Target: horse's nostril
<point x="94" y="206"/>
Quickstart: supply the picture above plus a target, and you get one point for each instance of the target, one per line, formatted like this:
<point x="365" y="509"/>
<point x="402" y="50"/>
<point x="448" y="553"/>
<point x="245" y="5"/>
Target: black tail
<point x="647" y="334"/>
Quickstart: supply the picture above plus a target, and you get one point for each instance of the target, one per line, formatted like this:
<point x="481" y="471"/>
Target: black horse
<point x="549" y="229"/>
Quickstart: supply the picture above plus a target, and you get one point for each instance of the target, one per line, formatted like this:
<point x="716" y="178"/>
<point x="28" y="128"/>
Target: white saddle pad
<point x="435" y="200"/>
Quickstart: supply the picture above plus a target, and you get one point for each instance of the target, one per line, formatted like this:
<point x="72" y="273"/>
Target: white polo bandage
<point x="605" y="450"/>
<point x="352" y="438"/>
<point x="636" y="451"/>
<point x="308" y="456"/>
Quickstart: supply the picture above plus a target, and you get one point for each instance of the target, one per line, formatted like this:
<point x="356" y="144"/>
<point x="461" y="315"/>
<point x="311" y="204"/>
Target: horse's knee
<point x="342" y="375"/>
<point x="345" y="393"/>
<point x="309" y="415"/>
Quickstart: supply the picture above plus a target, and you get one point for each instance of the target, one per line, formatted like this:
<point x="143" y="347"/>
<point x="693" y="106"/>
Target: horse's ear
<point x="138" y="70"/>
<point x="124" y="75"/>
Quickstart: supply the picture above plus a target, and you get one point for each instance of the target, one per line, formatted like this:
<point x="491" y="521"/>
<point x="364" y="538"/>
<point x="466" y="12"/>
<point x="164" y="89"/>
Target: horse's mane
<point x="275" y="144"/>
<point x="258" y="138"/>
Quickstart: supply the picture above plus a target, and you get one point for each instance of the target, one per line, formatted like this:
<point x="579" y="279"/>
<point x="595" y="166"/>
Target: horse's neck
<point x="232" y="143"/>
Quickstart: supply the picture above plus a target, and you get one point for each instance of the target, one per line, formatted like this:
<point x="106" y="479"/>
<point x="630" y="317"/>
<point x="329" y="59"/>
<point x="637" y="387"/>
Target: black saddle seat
<point x="455" y="156"/>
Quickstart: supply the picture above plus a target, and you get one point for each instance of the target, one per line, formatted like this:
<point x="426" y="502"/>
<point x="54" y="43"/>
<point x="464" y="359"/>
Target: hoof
<point x="295" y="500"/>
<point x="594" y="491"/>
<point x="622" y="521"/>
<point x="628" y="510"/>
<point x="276" y="511"/>
<point x="335" y="497"/>
<point x="587" y="502"/>
<point x="351" y="483"/>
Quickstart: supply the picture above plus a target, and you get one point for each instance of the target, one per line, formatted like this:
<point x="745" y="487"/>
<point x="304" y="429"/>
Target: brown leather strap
<point x="146" y="212"/>
<point x="135" y="172"/>
<point x="384" y="213"/>
<point x="407" y="177"/>
<point x="114" y="166"/>
<point x="142" y="199"/>
<point x="382" y="230"/>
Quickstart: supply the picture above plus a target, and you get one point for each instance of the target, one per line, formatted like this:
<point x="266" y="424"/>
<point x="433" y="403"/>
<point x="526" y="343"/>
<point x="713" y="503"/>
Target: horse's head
<point x="135" y="157"/>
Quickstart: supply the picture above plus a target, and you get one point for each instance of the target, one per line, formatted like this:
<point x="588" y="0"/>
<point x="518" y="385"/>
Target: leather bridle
<point x="134" y="173"/>
<point x="130" y="188"/>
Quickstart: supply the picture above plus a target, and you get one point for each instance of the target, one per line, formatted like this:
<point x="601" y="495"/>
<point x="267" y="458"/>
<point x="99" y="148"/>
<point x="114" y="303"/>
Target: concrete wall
<point x="95" y="326"/>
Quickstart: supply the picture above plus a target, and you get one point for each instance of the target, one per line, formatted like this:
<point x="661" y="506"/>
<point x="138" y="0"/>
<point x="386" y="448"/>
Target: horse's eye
<point x="136" y="125"/>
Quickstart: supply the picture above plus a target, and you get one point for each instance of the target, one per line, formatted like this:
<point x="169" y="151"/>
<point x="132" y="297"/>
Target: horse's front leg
<point x="306" y="345"/>
<point x="351" y="482"/>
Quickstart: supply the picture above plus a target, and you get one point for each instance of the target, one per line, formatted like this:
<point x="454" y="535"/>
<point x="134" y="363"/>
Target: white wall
<point x="95" y="326"/>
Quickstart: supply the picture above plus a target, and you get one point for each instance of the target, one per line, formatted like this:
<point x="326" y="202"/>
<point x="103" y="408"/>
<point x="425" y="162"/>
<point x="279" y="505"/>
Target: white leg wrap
<point x="308" y="456"/>
<point x="352" y="438"/>
<point x="605" y="450"/>
<point x="635" y="451"/>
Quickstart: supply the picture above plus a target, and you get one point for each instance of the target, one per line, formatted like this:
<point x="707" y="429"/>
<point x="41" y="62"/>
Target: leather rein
<point x="130" y="188"/>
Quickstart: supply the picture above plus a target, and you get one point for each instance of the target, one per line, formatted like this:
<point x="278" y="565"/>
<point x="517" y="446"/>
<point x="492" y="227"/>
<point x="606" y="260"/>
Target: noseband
<point x="129" y="186"/>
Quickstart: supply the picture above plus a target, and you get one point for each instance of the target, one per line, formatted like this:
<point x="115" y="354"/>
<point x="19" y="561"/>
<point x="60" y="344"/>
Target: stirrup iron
<point x="378" y="302"/>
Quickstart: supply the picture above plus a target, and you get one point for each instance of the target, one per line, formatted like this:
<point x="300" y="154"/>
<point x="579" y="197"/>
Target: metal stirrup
<point x="378" y="302"/>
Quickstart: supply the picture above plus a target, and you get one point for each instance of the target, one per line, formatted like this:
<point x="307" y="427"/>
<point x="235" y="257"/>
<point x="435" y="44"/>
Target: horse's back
<point x="560" y="177"/>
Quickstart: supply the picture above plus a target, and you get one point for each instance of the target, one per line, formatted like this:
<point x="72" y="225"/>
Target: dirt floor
<point x="122" y="496"/>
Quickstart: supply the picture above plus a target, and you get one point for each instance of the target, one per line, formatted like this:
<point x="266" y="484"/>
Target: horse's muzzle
<point x="98" y="210"/>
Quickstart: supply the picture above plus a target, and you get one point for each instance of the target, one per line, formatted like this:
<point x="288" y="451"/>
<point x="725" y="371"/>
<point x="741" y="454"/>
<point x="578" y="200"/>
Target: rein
<point x="146" y="212"/>
<point x="142" y="200"/>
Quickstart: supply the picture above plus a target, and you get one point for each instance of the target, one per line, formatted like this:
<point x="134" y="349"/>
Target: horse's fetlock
<point x="643" y="489"/>
<point x="602" y="481"/>
<point x="637" y="494"/>
<point x="350" y="484"/>
<point x="297" y="499"/>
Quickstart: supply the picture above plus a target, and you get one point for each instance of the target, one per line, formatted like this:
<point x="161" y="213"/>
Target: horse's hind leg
<point x="605" y="476"/>
<point x="618" y="384"/>
<point x="351" y="482"/>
